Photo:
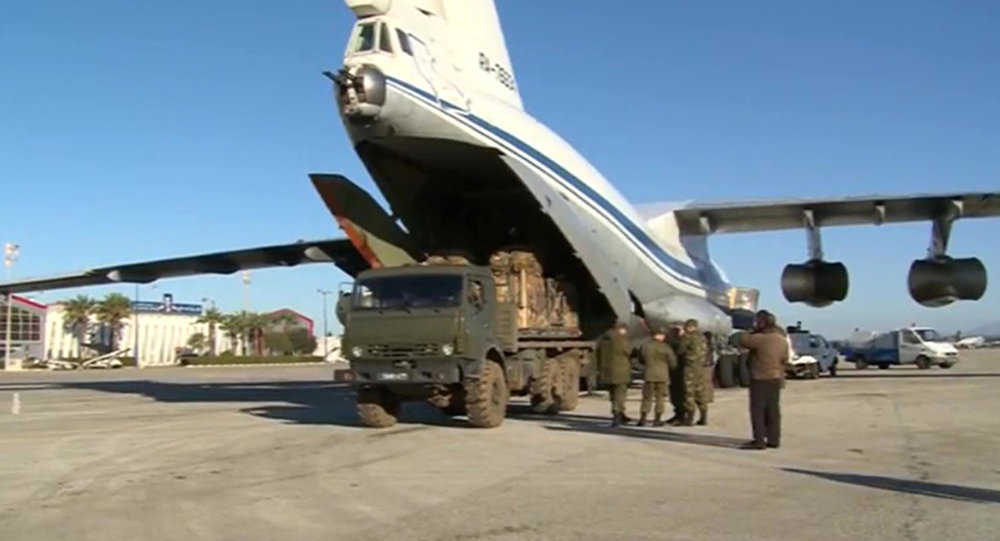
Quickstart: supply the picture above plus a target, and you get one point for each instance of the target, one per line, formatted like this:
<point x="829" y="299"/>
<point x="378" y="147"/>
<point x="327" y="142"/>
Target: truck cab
<point x="463" y="338"/>
<point x="806" y="348"/>
<point x="420" y="325"/>
<point x="921" y="346"/>
<point x="924" y="347"/>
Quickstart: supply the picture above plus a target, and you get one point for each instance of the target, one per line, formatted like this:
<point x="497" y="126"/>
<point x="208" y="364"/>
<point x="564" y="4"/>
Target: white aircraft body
<point x="428" y="96"/>
<point x="971" y="342"/>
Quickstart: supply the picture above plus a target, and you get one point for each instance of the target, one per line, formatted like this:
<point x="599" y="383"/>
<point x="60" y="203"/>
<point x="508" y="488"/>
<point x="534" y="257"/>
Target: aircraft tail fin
<point x="462" y="39"/>
<point x="478" y="46"/>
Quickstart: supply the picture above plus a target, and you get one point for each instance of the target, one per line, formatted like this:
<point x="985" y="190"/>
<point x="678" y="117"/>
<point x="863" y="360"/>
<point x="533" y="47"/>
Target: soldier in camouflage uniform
<point x="657" y="359"/>
<point x="676" y="376"/>
<point x="693" y="351"/>
<point x="613" y="354"/>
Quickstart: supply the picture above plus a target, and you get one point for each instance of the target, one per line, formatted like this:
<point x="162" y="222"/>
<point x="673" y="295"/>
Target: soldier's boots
<point x="702" y="416"/>
<point x="658" y="421"/>
<point x="642" y="420"/>
<point x="625" y="419"/>
<point x="676" y="420"/>
<point x="688" y="419"/>
<point x="616" y="419"/>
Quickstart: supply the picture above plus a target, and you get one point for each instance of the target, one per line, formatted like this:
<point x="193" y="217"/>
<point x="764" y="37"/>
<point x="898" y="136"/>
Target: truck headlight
<point x="357" y="352"/>
<point x="447" y="349"/>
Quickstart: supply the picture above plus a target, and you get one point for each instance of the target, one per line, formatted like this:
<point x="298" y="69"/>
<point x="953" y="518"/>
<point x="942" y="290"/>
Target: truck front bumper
<point x="426" y="370"/>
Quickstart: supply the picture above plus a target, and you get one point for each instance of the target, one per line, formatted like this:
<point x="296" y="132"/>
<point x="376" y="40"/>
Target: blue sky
<point x="139" y="130"/>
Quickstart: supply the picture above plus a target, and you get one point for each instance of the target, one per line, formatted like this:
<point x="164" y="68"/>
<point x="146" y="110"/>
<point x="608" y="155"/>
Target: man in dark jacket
<point x="613" y="354"/>
<point x="657" y="359"/>
<point x="768" y="345"/>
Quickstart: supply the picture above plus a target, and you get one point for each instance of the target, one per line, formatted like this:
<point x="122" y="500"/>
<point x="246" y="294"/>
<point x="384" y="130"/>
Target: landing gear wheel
<point x="570" y="394"/>
<point x="727" y="369"/>
<point x="486" y="397"/>
<point x="743" y="369"/>
<point x="546" y="388"/>
<point x="377" y="407"/>
<point x="923" y="362"/>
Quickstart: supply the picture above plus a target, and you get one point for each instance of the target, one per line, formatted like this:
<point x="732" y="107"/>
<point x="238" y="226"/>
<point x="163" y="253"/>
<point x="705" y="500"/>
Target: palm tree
<point x="254" y="327"/>
<point x="279" y="339"/>
<point x="197" y="342"/>
<point x="76" y="317"/>
<point x="232" y="325"/>
<point x="110" y="311"/>
<point x="213" y="318"/>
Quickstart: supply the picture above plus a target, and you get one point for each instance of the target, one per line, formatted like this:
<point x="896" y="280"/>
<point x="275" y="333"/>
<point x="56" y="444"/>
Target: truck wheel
<point x="883" y="366"/>
<point x="923" y="362"/>
<point x="726" y="371"/>
<point x="486" y="397"/>
<point x="947" y="365"/>
<point x="377" y="407"/>
<point x="570" y="393"/>
<point x="546" y="388"/>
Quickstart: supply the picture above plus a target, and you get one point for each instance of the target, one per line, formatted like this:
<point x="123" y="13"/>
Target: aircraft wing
<point x="338" y="251"/>
<point x="739" y="217"/>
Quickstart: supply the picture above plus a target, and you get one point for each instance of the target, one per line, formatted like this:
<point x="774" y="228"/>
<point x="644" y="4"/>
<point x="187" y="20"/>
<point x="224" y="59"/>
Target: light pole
<point x="10" y="251"/>
<point x="245" y="275"/>
<point x="326" y="349"/>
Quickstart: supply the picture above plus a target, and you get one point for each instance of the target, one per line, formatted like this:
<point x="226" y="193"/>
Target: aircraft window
<point x="364" y="39"/>
<point x="384" y="41"/>
<point x="404" y="42"/>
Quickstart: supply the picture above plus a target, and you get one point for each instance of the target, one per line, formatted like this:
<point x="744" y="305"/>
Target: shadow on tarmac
<point x="600" y="425"/>
<point x="908" y="486"/>
<point x="889" y="374"/>
<point x="300" y="402"/>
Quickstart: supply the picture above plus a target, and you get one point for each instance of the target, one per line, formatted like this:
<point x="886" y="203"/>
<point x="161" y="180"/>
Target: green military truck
<point x="464" y="338"/>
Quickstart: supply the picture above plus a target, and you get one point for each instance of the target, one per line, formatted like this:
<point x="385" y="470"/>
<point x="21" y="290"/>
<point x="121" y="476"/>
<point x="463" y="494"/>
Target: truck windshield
<point x="929" y="335"/>
<point x="800" y="342"/>
<point x="399" y="292"/>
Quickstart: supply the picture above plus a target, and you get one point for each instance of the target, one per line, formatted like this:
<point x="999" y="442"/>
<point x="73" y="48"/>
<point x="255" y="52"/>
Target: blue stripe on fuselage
<point x="691" y="274"/>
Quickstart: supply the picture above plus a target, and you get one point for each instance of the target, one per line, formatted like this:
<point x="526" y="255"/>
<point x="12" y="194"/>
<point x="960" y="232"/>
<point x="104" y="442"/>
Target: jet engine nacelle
<point x="942" y="280"/>
<point x="816" y="282"/>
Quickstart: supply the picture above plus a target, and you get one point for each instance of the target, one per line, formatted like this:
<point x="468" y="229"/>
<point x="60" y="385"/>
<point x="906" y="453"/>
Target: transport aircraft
<point x="429" y="98"/>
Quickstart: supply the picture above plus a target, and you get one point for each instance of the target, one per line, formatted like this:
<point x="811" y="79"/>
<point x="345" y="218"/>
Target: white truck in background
<point x="922" y="346"/>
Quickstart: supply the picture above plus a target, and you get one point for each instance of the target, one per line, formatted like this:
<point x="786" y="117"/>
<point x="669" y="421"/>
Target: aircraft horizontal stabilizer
<point x="747" y="216"/>
<point x="337" y="251"/>
<point x="375" y="234"/>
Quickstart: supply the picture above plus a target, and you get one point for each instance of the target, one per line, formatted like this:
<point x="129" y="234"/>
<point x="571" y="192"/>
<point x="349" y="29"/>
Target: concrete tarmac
<point x="276" y="453"/>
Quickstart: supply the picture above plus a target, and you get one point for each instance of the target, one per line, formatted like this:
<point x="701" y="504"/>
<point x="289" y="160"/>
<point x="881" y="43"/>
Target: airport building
<point x="27" y="325"/>
<point x="164" y="328"/>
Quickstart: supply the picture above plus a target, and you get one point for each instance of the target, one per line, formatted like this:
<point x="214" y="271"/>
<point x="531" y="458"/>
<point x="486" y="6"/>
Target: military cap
<point x="660" y="330"/>
<point x="691" y="323"/>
